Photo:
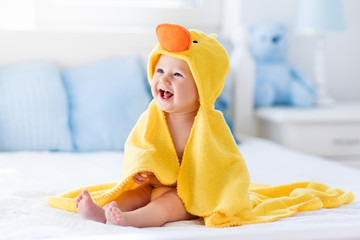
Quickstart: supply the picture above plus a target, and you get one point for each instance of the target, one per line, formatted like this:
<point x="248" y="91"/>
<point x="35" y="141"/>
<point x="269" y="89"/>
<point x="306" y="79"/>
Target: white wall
<point x="343" y="50"/>
<point x="107" y="15"/>
<point x="37" y="29"/>
<point x="26" y="22"/>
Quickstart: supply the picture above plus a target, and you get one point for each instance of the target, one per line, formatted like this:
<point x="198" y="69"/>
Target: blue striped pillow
<point x="33" y="108"/>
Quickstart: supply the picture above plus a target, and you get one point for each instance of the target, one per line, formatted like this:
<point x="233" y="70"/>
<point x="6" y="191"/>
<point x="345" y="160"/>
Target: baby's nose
<point x="164" y="80"/>
<point x="173" y="38"/>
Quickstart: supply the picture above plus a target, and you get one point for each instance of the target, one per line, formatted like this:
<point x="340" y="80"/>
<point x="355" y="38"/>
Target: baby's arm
<point x="149" y="177"/>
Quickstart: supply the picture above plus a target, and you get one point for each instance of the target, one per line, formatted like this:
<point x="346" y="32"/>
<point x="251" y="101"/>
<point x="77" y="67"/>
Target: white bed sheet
<point x="27" y="178"/>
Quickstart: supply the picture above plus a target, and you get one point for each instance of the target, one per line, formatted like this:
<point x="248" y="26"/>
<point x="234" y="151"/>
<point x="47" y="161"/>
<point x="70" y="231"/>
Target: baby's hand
<point x="143" y="177"/>
<point x="147" y="177"/>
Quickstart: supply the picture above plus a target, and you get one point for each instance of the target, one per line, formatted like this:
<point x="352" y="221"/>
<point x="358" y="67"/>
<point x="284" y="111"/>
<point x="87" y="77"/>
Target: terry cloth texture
<point x="212" y="180"/>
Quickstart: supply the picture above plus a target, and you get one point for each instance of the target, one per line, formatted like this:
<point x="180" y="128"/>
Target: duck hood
<point x="206" y="57"/>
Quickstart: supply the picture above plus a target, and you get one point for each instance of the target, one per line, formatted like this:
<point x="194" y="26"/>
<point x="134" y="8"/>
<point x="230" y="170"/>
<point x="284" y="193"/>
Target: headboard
<point x="70" y="48"/>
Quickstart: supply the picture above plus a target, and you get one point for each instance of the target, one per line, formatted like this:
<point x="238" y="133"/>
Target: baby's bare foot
<point x="88" y="209"/>
<point x="114" y="215"/>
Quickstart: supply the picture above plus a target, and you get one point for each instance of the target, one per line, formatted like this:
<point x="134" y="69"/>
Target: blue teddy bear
<point x="277" y="82"/>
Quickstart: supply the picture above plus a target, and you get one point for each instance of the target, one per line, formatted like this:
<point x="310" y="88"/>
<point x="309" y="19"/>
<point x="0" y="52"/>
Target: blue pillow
<point x="33" y="108"/>
<point x="106" y="99"/>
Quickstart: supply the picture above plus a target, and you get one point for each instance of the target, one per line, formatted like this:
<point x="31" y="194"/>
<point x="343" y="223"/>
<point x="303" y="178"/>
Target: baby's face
<point x="173" y="86"/>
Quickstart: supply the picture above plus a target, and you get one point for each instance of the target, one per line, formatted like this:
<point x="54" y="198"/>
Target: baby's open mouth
<point x="165" y="94"/>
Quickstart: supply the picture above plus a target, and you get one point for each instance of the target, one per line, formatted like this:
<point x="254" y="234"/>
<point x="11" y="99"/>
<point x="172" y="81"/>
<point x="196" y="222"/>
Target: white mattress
<point x="26" y="178"/>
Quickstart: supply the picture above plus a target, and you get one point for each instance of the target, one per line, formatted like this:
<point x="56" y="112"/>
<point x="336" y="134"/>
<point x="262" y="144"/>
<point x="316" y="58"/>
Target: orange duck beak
<point x="173" y="38"/>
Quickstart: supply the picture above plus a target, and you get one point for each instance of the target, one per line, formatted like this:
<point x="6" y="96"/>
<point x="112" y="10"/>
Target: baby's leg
<point x="134" y="199"/>
<point x="128" y="201"/>
<point x="166" y="208"/>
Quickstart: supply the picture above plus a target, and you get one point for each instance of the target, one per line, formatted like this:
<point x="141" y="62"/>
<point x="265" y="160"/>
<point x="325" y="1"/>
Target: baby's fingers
<point x="139" y="179"/>
<point x="146" y="173"/>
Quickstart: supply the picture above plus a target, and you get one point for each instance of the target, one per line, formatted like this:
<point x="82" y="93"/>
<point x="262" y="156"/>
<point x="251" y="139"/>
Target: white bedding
<point x="26" y="178"/>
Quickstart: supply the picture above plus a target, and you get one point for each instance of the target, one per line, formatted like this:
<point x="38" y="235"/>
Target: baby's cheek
<point x="153" y="93"/>
<point x="190" y="94"/>
<point x="153" y="90"/>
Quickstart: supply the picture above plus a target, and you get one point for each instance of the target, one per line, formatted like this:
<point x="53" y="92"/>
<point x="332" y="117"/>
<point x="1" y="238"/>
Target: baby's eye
<point x="159" y="70"/>
<point x="178" y="74"/>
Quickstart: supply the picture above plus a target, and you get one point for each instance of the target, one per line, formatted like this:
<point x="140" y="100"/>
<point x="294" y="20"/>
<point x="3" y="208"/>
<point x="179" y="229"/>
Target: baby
<point x="180" y="159"/>
<point x="175" y="92"/>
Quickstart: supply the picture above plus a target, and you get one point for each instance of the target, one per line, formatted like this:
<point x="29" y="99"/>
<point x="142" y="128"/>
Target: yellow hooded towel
<point x="212" y="179"/>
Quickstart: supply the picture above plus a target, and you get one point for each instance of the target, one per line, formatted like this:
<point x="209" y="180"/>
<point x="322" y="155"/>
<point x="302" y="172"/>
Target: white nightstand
<point x="332" y="131"/>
